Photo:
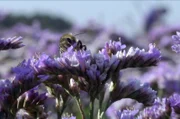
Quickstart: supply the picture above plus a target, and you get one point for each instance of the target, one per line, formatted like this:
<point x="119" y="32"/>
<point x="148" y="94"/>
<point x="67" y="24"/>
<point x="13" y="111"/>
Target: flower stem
<point x="61" y="111"/>
<point x="100" y="110"/>
<point x="80" y="107"/>
<point x="91" y="108"/>
<point x="160" y="92"/>
<point x="100" y="114"/>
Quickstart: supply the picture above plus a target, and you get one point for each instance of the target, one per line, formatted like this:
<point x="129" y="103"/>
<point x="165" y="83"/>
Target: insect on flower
<point x="68" y="40"/>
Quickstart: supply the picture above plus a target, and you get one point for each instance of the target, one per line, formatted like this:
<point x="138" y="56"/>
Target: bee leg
<point x="79" y="44"/>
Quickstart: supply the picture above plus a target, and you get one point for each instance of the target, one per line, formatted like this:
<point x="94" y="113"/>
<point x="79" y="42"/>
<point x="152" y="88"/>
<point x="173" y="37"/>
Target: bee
<point x="68" y="40"/>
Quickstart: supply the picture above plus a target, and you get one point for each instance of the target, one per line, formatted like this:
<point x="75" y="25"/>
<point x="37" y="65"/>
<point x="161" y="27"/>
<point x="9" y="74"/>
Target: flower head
<point x="175" y="102"/>
<point x="160" y="110"/>
<point x="11" y="43"/>
<point x="127" y="114"/>
<point x="112" y="47"/>
<point x="176" y="40"/>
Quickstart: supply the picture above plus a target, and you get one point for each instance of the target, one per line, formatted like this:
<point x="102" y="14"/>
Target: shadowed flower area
<point x="133" y="90"/>
<point x="11" y="43"/>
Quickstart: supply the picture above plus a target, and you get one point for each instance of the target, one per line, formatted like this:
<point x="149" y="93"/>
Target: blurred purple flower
<point x="160" y="110"/>
<point x="159" y="74"/>
<point x="11" y="43"/>
<point x="162" y="35"/>
<point x="127" y="114"/>
<point x="173" y="86"/>
<point x="176" y="42"/>
<point x="153" y="17"/>
<point x="175" y="102"/>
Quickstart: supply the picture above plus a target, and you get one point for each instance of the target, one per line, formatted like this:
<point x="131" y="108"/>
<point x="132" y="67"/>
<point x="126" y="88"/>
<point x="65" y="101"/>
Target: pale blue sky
<point x="109" y="13"/>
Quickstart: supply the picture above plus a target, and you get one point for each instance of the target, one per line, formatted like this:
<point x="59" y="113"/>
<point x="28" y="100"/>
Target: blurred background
<point x="121" y="14"/>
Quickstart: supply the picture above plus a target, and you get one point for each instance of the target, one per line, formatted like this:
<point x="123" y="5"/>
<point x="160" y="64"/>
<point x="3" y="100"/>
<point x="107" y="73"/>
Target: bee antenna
<point x="79" y="33"/>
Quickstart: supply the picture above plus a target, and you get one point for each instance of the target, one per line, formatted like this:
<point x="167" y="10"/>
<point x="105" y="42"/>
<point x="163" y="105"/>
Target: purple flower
<point x="11" y="43"/>
<point x="173" y="86"/>
<point x="175" y="102"/>
<point x="92" y="71"/>
<point x="24" y="80"/>
<point x="136" y="57"/>
<point x="32" y="102"/>
<point x="25" y="76"/>
<point x="176" y="40"/>
<point x="127" y="114"/>
<point x="162" y="76"/>
<point x="134" y="90"/>
<point x="13" y="98"/>
<point x="112" y="47"/>
<point x="162" y="35"/>
<point x="160" y="110"/>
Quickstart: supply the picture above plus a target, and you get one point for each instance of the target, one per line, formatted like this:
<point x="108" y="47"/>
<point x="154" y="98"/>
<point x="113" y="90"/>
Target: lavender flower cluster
<point x="119" y="79"/>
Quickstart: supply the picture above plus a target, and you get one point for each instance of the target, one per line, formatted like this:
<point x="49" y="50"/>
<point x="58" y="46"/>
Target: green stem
<point x="99" y="112"/>
<point x="60" y="112"/>
<point x="100" y="109"/>
<point x="92" y="108"/>
<point x="104" y="109"/>
<point x="80" y="107"/>
<point x="107" y="105"/>
<point x="160" y="92"/>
